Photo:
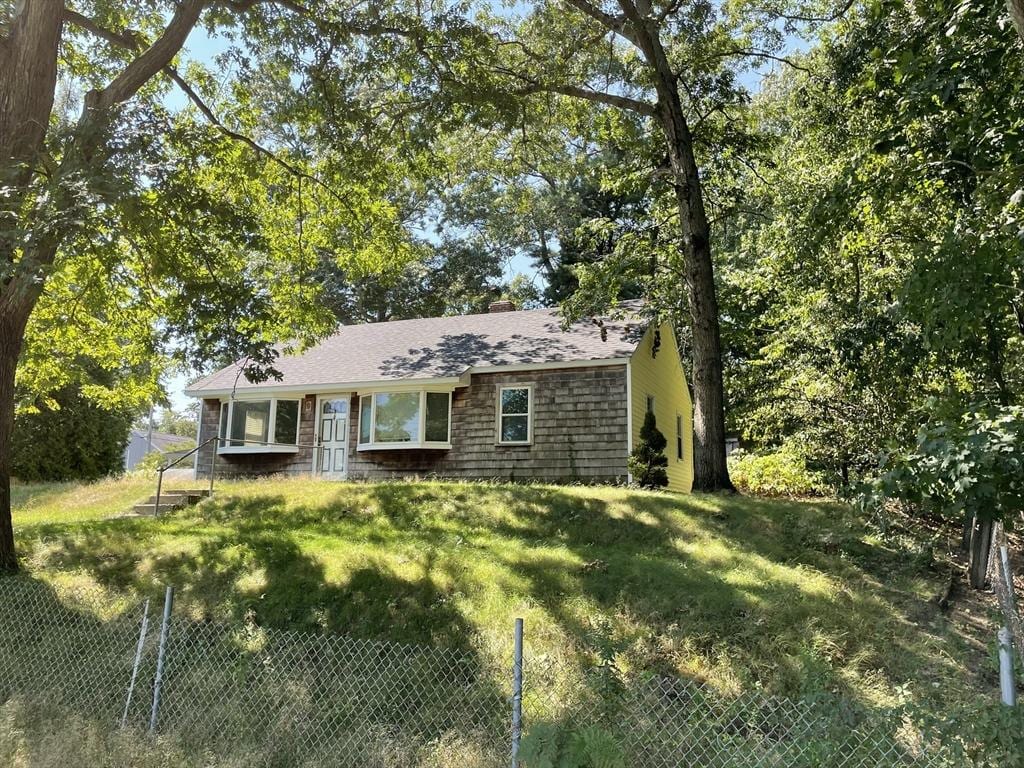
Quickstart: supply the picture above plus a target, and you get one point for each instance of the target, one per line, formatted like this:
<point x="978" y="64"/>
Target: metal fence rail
<point x="265" y="697"/>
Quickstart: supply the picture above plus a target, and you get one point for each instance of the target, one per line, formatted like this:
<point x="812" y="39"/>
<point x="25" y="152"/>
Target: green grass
<point x="792" y="597"/>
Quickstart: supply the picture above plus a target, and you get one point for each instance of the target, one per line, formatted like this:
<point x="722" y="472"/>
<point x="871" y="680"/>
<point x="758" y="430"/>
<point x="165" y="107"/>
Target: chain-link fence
<point x="264" y="697"/>
<point x="1001" y="570"/>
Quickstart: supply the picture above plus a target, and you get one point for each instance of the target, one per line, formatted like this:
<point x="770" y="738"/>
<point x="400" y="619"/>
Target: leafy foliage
<point x="782" y="472"/>
<point x="872" y="276"/>
<point x="970" y="467"/>
<point x="647" y="463"/>
<point x="986" y="734"/>
<point x="551" y="745"/>
<point x="69" y="437"/>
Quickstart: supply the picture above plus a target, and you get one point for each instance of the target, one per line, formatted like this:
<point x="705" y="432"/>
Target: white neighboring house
<point x="139" y="445"/>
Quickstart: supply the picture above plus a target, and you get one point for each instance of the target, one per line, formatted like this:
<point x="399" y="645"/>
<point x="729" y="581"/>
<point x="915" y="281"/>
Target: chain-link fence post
<point x="517" y="691"/>
<point x="158" y="680"/>
<point x="1008" y="600"/>
<point x="138" y="660"/>
<point x="1007" y="684"/>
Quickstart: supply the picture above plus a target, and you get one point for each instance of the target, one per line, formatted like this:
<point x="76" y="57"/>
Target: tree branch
<point x="209" y="114"/>
<point x="128" y="39"/>
<point x="611" y="99"/>
<point x="616" y="24"/>
<point x="244" y="5"/>
<point x="152" y="60"/>
<point x="756" y="54"/>
<point x="133" y="41"/>
<point x="807" y="19"/>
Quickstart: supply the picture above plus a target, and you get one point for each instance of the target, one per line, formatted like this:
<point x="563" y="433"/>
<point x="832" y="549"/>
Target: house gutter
<point x="395" y="385"/>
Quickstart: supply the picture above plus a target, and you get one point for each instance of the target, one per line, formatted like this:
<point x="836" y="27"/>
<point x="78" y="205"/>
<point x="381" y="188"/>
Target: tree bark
<point x="981" y="546"/>
<point x="28" y="79"/>
<point x="12" y="331"/>
<point x="1016" y="8"/>
<point x="710" y="470"/>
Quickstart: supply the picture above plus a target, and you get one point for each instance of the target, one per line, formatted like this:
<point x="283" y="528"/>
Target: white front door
<point x="333" y="430"/>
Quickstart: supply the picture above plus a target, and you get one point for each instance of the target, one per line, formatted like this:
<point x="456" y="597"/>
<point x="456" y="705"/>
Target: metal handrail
<point x="164" y="467"/>
<point x="186" y="455"/>
<point x="213" y="464"/>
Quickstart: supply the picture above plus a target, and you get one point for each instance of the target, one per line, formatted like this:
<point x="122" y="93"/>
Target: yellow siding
<point x="662" y="376"/>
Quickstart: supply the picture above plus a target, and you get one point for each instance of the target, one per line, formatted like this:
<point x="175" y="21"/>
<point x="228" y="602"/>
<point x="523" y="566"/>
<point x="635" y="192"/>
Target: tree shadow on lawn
<point x="739" y="602"/>
<point x="243" y="560"/>
<point x="44" y="638"/>
<point x="244" y="556"/>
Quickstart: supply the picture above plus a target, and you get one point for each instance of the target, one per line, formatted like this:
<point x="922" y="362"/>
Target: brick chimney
<point x="501" y="306"/>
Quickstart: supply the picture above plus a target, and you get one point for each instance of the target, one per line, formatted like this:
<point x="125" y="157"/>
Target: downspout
<point x="199" y="439"/>
<point x="629" y="416"/>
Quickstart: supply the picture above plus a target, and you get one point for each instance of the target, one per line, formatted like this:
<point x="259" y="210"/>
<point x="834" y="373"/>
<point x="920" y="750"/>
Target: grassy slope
<point x="792" y="596"/>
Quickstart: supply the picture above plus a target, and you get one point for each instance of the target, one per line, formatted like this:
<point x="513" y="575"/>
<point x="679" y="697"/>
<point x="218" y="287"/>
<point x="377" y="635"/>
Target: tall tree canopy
<point x="125" y="225"/>
<point x="654" y="86"/>
<point x="876" y="281"/>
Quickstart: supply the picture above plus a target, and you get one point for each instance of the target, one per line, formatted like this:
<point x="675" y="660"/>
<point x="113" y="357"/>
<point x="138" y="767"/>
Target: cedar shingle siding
<point x="247" y="464"/>
<point x="579" y="434"/>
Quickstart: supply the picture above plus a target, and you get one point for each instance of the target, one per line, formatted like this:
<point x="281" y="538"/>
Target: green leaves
<point x="647" y="462"/>
<point x="970" y="466"/>
<point x="553" y="745"/>
<point x="882" y="266"/>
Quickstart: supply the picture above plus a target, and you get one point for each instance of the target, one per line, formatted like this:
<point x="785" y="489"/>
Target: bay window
<point x="253" y="426"/>
<point x="414" y="419"/>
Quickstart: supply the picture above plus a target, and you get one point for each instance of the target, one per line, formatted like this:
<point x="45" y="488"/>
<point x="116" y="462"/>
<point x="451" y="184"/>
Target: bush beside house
<point x="648" y="463"/>
<point x="76" y="440"/>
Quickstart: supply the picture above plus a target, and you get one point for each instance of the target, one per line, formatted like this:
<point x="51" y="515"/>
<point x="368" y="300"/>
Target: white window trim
<point x="528" y="414"/>
<point x="223" y="441"/>
<point x="421" y="429"/>
<point x="680" y="442"/>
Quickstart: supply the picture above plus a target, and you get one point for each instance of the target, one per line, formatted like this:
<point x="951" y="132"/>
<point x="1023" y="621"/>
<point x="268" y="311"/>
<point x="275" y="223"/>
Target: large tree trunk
<point x="1016" y="8"/>
<point x="12" y="331"/>
<point x="28" y="77"/>
<point x="710" y="470"/>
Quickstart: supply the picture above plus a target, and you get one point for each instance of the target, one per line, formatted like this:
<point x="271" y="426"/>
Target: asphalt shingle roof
<point x="441" y="347"/>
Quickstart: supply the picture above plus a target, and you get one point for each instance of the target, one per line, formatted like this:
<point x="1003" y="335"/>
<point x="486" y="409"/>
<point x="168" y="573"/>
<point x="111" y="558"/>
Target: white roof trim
<point x="340" y="387"/>
<point x="549" y="366"/>
<point x="395" y="384"/>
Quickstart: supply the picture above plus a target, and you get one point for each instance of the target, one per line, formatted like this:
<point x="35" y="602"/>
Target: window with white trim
<point x="679" y="437"/>
<point x="515" y="411"/>
<point x="259" y="426"/>
<point x="411" y="419"/>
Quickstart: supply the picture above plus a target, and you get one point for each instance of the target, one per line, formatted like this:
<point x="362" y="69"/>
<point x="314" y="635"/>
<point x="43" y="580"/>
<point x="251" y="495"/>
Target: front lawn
<point x="793" y="597"/>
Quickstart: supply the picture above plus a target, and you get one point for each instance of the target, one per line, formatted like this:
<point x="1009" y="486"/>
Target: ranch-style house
<point x="506" y="394"/>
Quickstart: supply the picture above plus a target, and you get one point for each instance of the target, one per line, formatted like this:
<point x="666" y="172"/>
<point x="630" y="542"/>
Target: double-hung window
<point x="259" y="426"/>
<point x="679" y="437"/>
<point x="415" y="419"/>
<point x="515" y="415"/>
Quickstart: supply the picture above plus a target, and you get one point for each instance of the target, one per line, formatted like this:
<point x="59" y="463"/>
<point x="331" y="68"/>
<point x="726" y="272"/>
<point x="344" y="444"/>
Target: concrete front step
<point x="170" y="500"/>
<point x="191" y="497"/>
